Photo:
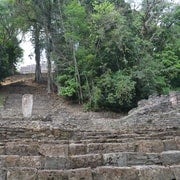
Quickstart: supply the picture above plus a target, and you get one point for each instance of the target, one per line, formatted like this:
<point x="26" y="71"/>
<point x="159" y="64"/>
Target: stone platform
<point x="58" y="144"/>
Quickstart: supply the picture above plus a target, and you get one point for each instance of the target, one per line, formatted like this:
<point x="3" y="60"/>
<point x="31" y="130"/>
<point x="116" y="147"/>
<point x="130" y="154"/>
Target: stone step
<point x="35" y="174"/>
<point x="69" y="147"/>
<point x="41" y="129"/>
<point x="129" y="159"/>
<point x="137" y="173"/>
<point x="153" y="134"/>
<point x="35" y="133"/>
<point x="39" y="126"/>
<point x="100" y="173"/>
<point x="147" y="146"/>
<point x="51" y="162"/>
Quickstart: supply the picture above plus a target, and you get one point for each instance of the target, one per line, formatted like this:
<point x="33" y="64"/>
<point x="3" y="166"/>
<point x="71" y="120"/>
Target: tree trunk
<point x="49" y="67"/>
<point x="38" y="75"/>
<point x="77" y="76"/>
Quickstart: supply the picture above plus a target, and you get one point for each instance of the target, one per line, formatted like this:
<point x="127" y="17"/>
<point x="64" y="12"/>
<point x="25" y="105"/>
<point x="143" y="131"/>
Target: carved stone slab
<point x="173" y="98"/>
<point x="27" y="105"/>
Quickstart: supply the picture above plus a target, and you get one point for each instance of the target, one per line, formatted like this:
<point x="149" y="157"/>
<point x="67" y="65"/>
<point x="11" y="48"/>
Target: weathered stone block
<point x="121" y="147"/>
<point x="52" y="175"/>
<point x="176" y="170"/>
<point x="22" y="174"/>
<point x="2" y="174"/>
<point x="149" y="146"/>
<point x="109" y="147"/>
<point x="173" y="98"/>
<point x="177" y="139"/>
<point x="21" y="148"/>
<point x="155" y="173"/>
<point x="115" y="159"/>
<point x="2" y="149"/>
<point x="89" y="160"/>
<point x="53" y="150"/>
<point x="115" y="173"/>
<point x="142" y="159"/>
<point x="129" y="159"/>
<point x="13" y="175"/>
<point x="170" y="145"/>
<point x="2" y="161"/>
<point x="170" y="157"/>
<point x="27" y="105"/>
<point x="30" y="161"/>
<point x="11" y="161"/>
<point x="78" y="174"/>
<point x="72" y="174"/>
<point x="56" y="163"/>
<point x="77" y="149"/>
<point x="94" y="147"/>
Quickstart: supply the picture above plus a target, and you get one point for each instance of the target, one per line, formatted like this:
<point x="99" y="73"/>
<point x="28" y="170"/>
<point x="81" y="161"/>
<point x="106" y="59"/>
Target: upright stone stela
<point x="27" y="105"/>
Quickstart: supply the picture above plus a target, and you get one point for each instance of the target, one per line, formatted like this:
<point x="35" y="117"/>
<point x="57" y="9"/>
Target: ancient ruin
<point x="61" y="142"/>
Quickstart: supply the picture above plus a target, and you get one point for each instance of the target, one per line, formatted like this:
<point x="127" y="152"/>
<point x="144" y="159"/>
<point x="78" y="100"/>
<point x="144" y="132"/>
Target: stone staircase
<point x="89" y="155"/>
<point x="145" y="145"/>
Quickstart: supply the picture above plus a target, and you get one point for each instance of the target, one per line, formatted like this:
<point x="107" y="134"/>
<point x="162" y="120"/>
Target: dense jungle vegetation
<point x="108" y="54"/>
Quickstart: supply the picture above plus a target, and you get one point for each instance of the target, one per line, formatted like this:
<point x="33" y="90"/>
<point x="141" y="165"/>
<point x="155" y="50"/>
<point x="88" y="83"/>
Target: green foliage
<point x="107" y="54"/>
<point x="68" y="85"/>
<point x="124" y="55"/>
<point x="69" y="89"/>
<point x="171" y="65"/>
<point x="113" y="91"/>
<point x="75" y="22"/>
<point x="10" y="52"/>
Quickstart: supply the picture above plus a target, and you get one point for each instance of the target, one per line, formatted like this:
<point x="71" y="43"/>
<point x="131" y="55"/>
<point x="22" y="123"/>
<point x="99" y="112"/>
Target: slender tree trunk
<point x="49" y="47"/>
<point x="77" y="75"/>
<point x="38" y="75"/>
<point x="49" y="66"/>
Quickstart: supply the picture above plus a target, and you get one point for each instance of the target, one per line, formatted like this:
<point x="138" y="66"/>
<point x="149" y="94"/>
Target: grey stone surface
<point x="2" y="149"/>
<point x="115" y="173"/>
<point x="53" y="150"/>
<point x="177" y="139"/>
<point x="56" y="163"/>
<point x="170" y="145"/>
<point x="73" y="174"/>
<point x="80" y="174"/>
<point x="2" y="174"/>
<point x="27" y="105"/>
<point x="21" y="174"/>
<point x="11" y="161"/>
<point x="176" y="170"/>
<point x="77" y="149"/>
<point x="170" y="157"/>
<point x="109" y="147"/>
<point x="155" y="173"/>
<point x="88" y="160"/>
<point x="131" y="159"/>
<point x="21" y="148"/>
<point x="49" y="175"/>
<point x="149" y="146"/>
<point x="30" y="161"/>
<point x="61" y="142"/>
